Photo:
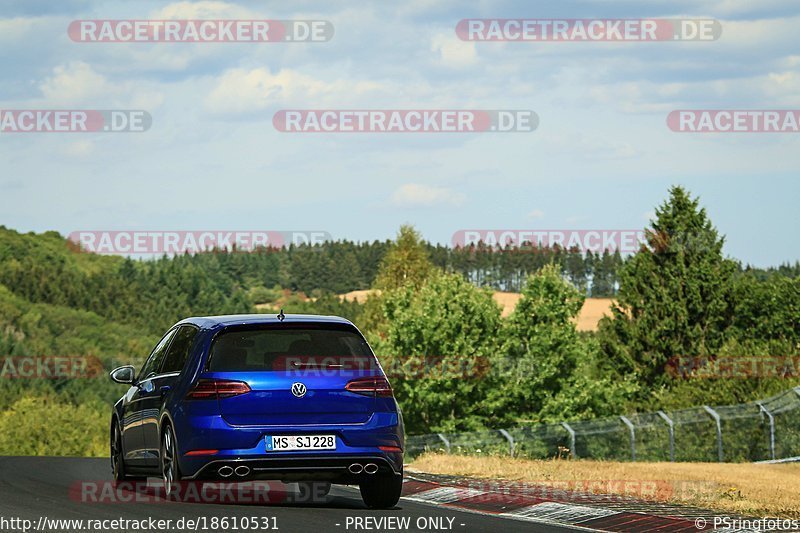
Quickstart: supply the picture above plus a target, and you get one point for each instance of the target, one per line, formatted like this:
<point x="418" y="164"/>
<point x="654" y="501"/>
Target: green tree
<point x="768" y="310"/>
<point x="446" y="331"/>
<point x="541" y="345"/>
<point x="589" y="391"/>
<point x="48" y="426"/>
<point x="675" y="294"/>
<point x="406" y="264"/>
<point x="604" y="273"/>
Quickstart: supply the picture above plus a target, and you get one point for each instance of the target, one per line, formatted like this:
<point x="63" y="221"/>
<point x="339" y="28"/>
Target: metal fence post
<point x="771" y="429"/>
<point x="716" y="418"/>
<point x="571" y="432"/>
<point x="446" y="442"/>
<point x="633" y="436"/>
<point x="510" y="440"/>
<point x="671" y="426"/>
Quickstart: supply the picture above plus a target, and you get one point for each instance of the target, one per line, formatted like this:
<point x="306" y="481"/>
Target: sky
<point x="602" y="156"/>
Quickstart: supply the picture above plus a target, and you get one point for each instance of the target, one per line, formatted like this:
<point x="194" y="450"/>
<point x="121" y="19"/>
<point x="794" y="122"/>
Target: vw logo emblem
<point x="298" y="389"/>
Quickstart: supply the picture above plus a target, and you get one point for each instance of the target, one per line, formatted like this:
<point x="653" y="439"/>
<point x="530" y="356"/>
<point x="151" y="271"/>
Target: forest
<point x="678" y="296"/>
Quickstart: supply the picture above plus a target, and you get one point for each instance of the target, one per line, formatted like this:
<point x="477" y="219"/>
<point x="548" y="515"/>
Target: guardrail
<point x="764" y="430"/>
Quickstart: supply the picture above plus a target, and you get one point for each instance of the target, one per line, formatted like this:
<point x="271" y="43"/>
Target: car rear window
<point x="289" y="348"/>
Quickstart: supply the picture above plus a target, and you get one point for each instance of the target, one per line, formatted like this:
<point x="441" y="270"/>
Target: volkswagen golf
<point x="295" y="398"/>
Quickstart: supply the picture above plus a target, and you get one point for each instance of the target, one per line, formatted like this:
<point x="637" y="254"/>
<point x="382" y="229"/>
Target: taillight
<point x="207" y="389"/>
<point x="374" y="386"/>
<point x="195" y="453"/>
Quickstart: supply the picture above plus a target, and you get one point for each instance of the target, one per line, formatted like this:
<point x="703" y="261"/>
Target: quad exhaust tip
<point x="225" y="471"/>
<point x="242" y="471"/>
<point x="357" y="468"/>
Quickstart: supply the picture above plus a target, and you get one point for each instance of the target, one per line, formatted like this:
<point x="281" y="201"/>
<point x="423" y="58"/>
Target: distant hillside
<point x="51" y="301"/>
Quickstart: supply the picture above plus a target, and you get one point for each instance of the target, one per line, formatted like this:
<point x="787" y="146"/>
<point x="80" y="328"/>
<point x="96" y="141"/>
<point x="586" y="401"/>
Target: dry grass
<point x="592" y="311"/>
<point x="590" y="314"/>
<point x="749" y="489"/>
<point x="358" y="296"/>
<point x="507" y="301"/>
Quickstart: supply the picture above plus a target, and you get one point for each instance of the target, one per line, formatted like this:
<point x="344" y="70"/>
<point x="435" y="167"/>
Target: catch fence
<point x="765" y="430"/>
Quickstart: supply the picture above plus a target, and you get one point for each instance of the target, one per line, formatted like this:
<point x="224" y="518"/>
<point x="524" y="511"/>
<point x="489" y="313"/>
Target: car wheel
<point x="169" y="462"/>
<point x="382" y="492"/>
<point x="118" y="458"/>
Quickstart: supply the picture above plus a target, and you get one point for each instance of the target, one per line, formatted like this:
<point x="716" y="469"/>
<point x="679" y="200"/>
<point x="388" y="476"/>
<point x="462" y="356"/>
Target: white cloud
<point x="13" y="30"/>
<point x="77" y="84"/>
<point x="73" y="83"/>
<point x="454" y="52"/>
<point x="416" y="195"/>
<point x="408" y="54"/>
<point x="241" y="90"/>
<point x="536" y="214"/>
<point x="79" y="149"/>
<point x="770" y="89"/>
<point x="783" y="87"/>
<point x="201" y="10"/>
<point x="727" y="8"/>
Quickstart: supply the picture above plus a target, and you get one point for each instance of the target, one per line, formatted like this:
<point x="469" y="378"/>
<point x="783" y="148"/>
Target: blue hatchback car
<point x="296" y="398"/>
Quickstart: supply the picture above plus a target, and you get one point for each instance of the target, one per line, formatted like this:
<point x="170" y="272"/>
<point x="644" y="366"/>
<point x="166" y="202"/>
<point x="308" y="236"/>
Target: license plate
<point x="276" y="443"/>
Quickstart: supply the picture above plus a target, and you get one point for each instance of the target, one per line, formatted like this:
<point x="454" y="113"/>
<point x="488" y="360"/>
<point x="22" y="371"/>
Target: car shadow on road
<point x="244" y="493"/>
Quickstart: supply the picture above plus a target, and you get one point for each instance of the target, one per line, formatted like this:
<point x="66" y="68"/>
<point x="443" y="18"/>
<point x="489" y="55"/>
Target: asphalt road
<point x="55" y="488"/>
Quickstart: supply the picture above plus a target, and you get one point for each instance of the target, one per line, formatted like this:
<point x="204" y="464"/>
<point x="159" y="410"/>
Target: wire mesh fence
<point x="762" y="430"/>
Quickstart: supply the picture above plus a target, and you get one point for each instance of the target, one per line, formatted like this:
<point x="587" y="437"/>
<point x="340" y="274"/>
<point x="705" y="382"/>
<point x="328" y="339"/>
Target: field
<point x="593" y="308"/>
<point x="749" y="489"/>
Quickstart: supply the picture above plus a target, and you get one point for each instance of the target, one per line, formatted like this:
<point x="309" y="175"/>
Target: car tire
<point x="382" y="492"/>
<point x="117" y="456"/>
<point x="170" y="472"/>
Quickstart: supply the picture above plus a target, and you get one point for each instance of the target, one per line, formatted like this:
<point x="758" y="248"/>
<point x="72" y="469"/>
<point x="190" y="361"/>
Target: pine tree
<point x="675" y="294"/>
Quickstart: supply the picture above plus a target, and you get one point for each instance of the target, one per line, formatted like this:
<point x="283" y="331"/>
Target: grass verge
<point x="748" y="489"/>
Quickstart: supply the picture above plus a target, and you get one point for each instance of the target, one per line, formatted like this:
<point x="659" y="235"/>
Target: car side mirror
<point x="124" y="374"/>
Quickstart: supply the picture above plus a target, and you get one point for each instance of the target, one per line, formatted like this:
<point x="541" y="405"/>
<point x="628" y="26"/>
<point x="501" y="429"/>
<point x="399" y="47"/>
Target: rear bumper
<point x="335" y="469"/>
<point x="245" y="446"/>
